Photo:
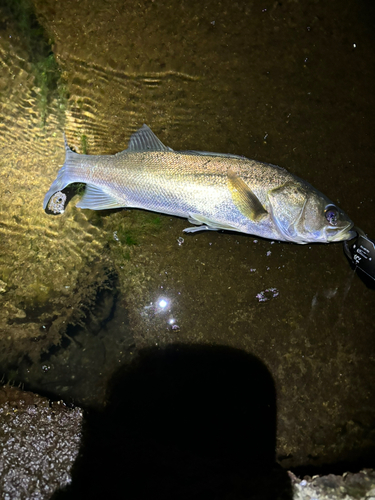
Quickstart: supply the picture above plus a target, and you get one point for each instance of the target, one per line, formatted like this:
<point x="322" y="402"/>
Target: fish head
<point x="304" y="215"/>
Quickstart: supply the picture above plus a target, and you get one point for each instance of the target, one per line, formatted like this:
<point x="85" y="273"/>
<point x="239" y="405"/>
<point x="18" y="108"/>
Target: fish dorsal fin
<point x="208" y="153"/>
<point x="145" y="140"/>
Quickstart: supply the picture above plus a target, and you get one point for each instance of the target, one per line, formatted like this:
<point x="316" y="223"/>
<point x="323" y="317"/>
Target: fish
<point x="213" y="191"/>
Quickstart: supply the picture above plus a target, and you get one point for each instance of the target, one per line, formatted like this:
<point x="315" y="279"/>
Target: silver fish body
<point x="214" y="191"/>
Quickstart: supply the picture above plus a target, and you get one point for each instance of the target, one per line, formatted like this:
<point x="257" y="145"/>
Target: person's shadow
<point x="183" y="422"/>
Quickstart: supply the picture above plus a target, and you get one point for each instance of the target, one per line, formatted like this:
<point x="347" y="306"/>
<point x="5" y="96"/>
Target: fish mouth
<point x="346" y="233"/>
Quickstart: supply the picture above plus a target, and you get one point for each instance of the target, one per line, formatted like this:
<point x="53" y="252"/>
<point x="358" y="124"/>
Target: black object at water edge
<point x="361" y="254"/>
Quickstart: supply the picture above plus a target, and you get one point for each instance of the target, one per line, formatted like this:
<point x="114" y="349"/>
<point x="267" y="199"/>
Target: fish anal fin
<point x="244" y="199"/>
<point x="95" y="198"/>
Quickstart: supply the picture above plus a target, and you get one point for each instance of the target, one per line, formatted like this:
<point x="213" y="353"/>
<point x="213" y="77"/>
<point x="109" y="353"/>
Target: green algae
<point x="47" y="74"/>
<point x="83" y="144"/>
<point x="127" y="234"/>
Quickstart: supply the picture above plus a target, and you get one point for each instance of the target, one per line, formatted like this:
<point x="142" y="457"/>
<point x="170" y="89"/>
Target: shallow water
<point x="287" y="83"/>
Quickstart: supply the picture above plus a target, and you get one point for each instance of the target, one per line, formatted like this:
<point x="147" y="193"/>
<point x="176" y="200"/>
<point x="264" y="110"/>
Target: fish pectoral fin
<point x="144" y="139"/>
<point x="206" y="224"/>
<point x="244" y="199"/>
<point x="95" y="198"/>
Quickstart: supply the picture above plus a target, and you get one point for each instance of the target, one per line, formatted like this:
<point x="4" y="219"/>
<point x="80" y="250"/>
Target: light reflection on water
<point x="162" y="311"/>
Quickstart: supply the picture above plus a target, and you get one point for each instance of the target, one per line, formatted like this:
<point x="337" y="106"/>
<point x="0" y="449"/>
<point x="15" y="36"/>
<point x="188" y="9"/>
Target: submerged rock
<point x="349" y="486"/>
<point x="39" y="444"/>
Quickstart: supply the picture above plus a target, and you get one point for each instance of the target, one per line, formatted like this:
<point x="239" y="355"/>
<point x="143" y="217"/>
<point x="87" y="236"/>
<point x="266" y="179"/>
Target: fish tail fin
<point x="67" y="174"/>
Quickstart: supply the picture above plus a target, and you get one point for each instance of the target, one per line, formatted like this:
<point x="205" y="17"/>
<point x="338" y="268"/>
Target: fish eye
<point x="331" y="214"/>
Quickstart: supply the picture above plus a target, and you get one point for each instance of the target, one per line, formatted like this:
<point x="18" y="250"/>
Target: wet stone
<point x="39" y="442"/>
<point x="349" y="486"/>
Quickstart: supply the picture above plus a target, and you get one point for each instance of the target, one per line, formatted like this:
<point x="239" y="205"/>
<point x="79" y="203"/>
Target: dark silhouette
<point x="183" y="422"/>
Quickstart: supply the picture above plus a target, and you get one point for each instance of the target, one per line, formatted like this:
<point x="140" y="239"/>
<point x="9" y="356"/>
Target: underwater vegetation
<point x="47" y="73"/>
<point x="84" y="144"/>
<point x="126" y="230"/>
